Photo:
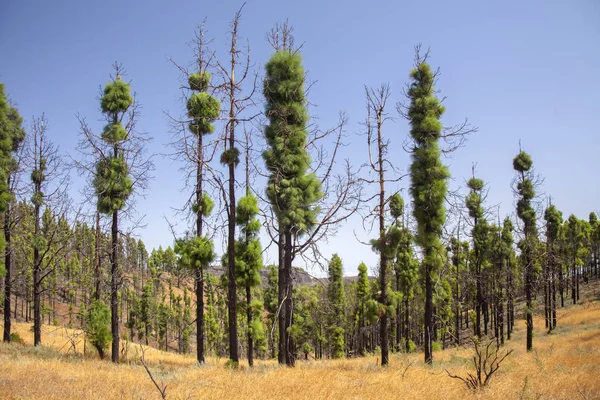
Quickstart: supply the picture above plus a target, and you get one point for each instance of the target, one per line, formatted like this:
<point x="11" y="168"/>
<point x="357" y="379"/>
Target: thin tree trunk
<point x="529" y="300"/>
<point x="37" y="279"/>
<point x="199" y="276"/>
<point x="407" y="325"/>
<point x="281" y="296"/>
<point x="97" y="275"/>
<point x="383" y="331"/>
<point x="428" y="325"/>
<point x="288" y="304"/>
<point x="8" y="276"/>
<point x="573" y="288"/>
<point x="249" y="317"/>
<point x="458" y="313"/>
<point x="114" y="286"/>
<point x="554" y="297"/>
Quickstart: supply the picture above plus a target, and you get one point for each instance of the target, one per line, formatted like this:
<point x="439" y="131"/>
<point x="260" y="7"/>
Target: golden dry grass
<point x="564" y="365"/>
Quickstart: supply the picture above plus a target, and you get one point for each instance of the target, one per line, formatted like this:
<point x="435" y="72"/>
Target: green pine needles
<point x="194" y="252"/>
<point x="98" y="332"/>
<point x="249" y="251"/>
<point x="291" y="190"/>
<point x="12" y="135"/>
<point x="248" y="263"/>
<point x="428" y="181"/>
<point x="112" y="182"/>
<point x="335" y="294"/>
<point x="522" y="164"/>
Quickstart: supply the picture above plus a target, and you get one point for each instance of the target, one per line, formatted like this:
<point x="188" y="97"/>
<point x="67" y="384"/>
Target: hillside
<point x="563" y="365"/>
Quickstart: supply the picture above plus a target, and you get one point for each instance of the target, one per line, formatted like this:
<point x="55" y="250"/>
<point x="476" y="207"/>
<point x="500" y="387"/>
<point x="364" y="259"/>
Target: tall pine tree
<point x="428" y="182"/>
<point x="291" y="189"/>
<point x="522" y="164"/>
<point x="335" y="295"/>
<point x="12" y="135"/>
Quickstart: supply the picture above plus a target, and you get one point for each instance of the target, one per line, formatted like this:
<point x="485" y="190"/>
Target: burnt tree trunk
<point x="290" y="347"/>
<point x="428" y="325"/>
<point x="97" y="274"/>
<point x="114" y="287"/>
<point x="8" y="277"/>
<point x="281" y="296"/>
<point x="249" y="318"/>
<point x="199" y="276"/>
<point x="37" y="279"/>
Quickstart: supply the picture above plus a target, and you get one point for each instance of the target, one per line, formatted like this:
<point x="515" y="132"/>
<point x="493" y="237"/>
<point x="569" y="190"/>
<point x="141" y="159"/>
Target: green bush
<point x="411" y="346"/>
<point x="16" y="338"/>
<point x="98" y="331"/>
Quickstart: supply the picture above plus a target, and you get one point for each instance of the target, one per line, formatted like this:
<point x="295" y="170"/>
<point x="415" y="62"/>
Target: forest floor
<point x="563" y="365"/>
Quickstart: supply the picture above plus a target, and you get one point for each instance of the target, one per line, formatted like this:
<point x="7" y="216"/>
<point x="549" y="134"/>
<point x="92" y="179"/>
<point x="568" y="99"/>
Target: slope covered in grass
<point x="563" y="365"/>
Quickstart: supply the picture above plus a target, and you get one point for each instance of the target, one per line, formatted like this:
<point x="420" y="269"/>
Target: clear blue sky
<point x="519" y="70"/>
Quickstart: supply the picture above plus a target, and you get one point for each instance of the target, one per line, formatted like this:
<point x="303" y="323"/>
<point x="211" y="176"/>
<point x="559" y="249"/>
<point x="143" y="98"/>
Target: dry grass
<point x="565" y="364"/>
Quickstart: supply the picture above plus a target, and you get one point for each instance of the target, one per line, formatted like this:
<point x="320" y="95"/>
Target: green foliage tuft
<point x="522" y="162"/>
<point x="199" y="82"/>
<point x="116" y="98"/>
<point x="207" y="205"/>
<point x="290" y="189"/>
<point x="194" y="252"/>
<point x="12" y="135"/>
<point x="396" y="206"/>
<point x="475" y="184"/>
<point x="203" y="109"/>
<point x="230" y="156"/>
<point x="16" y="338"/>
<point x="114" y="132"/>
<point x="112" y="184"/>
<point x="98" y="331"/>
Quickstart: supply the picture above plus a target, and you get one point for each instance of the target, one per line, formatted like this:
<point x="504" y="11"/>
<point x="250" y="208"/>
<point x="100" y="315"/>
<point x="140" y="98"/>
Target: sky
<point x="521" y="72"/>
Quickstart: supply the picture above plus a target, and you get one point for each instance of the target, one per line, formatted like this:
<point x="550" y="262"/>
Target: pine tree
<point x="405" y="266"/>
<point x="195" y="254"/>
<point x="460" y="251"/>
<point x="577" y="251"/>
<point x="112" y="181"/>
<point x="522" y="164"/>
<point x="47" y="191"/>
<point x="376" y="116"/>
<point x="248" y="260"/>
<point x="554" y="221"/>
<point x="12" y="135"/>
<point x="594" y="242"/>
<point x="480" y="234"/>
<point x="97" y="321"/>
<point x="271" y="305"/>
<point x="428" y="182"/>
<point x="291" y="189"/>
<point x="511" y="273"/>
<point x="145" y="313"/>
<point x="363" y="295"/>
<point x="335" y="295"/>
<point x="203" y="109"/>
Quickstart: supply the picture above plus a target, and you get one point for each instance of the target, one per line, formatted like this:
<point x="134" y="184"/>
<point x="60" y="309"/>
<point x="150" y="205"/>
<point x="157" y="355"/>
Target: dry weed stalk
<point x="487" y="360"/>
<point x="162" y="388"/>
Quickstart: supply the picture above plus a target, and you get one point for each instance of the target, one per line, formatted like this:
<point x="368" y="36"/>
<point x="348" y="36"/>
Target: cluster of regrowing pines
<point x="432" y="287"/>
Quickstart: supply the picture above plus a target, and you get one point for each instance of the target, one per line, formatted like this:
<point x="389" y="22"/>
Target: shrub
<point x="16" y="338"/>
<point x="98" y="320"/>
<point x="486" y="360"/>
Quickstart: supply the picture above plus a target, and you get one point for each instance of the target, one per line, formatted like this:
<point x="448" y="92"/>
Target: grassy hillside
<point x="565" y="364"/>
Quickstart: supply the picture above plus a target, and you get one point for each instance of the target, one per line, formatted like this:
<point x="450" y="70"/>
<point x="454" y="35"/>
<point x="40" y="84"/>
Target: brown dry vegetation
<point x="565" y="364"/>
